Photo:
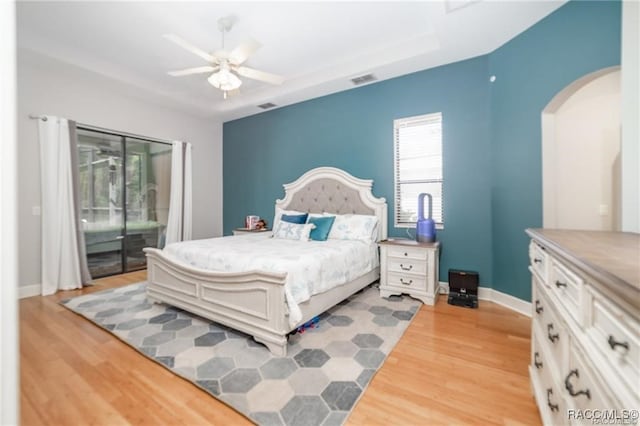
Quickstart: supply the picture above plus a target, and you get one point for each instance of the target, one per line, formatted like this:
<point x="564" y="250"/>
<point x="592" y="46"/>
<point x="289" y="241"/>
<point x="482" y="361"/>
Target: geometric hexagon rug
<point x="326" y="370"/>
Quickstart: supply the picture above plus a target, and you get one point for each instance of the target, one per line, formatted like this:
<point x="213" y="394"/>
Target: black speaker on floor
<point x="463" y="288"/>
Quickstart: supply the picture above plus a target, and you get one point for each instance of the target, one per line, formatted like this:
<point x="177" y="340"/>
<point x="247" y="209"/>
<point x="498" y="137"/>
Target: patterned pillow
<point x="293" y="231"/>
<point x="354" y="227"/>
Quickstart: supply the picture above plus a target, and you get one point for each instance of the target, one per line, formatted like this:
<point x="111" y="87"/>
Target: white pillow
<point x="280" y="212"/>
<point x="293" y="231"/>
<point x="354" y="227"/>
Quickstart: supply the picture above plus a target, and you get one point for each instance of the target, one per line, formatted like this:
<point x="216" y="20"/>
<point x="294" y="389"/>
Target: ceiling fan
<point x="225" y="66"/>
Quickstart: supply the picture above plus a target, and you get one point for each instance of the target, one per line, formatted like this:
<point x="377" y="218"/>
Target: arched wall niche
<point x="581" y="177"/>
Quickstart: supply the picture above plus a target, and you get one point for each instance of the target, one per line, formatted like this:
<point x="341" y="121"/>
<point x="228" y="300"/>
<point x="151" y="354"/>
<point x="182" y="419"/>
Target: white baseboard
<point x="486" y="293"/>
<point x="29" y="291"/>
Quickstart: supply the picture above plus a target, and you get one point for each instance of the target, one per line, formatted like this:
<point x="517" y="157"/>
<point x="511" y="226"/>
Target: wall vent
<point x="267" y="105"/>
<point x="363" y="79"/>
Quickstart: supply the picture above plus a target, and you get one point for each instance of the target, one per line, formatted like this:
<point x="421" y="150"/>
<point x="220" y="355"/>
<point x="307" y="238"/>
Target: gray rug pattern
<point x="325" y="372"/>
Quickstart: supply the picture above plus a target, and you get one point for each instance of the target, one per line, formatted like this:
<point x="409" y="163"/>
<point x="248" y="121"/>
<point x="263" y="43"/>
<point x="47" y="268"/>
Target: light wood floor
<point x="453" y="366"/>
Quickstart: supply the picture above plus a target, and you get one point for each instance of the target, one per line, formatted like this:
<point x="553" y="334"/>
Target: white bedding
<point x="312" y="267"/>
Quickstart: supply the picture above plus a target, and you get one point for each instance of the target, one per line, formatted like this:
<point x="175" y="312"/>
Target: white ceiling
<point x="317" y="46"/>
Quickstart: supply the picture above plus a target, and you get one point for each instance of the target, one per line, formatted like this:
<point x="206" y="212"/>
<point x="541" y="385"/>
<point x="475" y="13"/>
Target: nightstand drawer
<point x="407" y="253"/>
<point x="407" y="281"/>
<point x="404" y="266"/>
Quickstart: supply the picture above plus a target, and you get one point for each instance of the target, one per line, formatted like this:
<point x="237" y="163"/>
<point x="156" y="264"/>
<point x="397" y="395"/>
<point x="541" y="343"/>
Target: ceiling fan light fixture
<point x="224" y="80"/>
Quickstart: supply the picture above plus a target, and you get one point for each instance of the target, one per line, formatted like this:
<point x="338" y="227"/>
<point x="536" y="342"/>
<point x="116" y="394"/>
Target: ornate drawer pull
<point x="552" y="337"/>
<point x="406" y="283"/>
<point x="552" y="407"/>
<point x="569" y="386"/>
<point x="613" y="343"/>
<point x="537" y="260"/>
<point x="560" y="284"/>
<point x="537" y="363"/>
<point x="404" y="268"/>
<point x="539" y="307"/>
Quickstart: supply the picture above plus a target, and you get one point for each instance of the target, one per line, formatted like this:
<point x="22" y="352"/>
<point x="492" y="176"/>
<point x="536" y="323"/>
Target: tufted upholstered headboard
<point x="331" y="190"/>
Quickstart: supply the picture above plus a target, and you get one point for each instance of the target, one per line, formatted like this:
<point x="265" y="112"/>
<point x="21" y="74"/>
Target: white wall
<point x="631" y="115"/>
<point x="46" y="86"/>
<point x="9" y="364"/>
<point x="587" y="163"/>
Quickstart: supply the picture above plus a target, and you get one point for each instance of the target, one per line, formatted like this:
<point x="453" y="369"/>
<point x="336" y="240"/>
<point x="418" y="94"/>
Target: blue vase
<point x="425" y="228"/>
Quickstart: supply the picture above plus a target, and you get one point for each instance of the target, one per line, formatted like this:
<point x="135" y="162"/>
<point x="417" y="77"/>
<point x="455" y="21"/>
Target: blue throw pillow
<point x="295" y="218"/>
<point x="323" y="226"/>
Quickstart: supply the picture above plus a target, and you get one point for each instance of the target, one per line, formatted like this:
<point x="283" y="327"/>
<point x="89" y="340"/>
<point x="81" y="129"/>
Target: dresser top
<point x="613" y="257"/>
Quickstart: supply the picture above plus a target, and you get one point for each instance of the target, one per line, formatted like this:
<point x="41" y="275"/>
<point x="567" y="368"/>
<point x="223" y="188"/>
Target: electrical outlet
<point x="604" y="210"/>
<point x="35" y="210"/>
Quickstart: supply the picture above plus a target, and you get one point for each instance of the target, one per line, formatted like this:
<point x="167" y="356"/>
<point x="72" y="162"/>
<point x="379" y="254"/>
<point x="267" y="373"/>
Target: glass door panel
<point x="101" y="197"/>
<point x="148" y="179"/>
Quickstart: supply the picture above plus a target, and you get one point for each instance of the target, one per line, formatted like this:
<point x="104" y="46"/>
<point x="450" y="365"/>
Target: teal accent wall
<point x="491" y="137"/>
<point x="353" y="130"/>
<point x="579" y="38"/>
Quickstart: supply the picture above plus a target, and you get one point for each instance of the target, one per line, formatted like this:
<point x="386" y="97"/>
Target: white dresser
<point x="409" y="267"/>
<point x="585" y="350"/>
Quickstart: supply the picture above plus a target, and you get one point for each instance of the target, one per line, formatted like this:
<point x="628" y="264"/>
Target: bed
<point x="254" y="301"/>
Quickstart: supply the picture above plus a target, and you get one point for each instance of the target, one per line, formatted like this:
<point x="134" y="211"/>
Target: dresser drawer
<point x="407" y="281"/>
<point x="552" y="332"/>
<point x="567" y="286"/>
<point x="539" y="260"/>
<point x="582" y="387"/>
<point x="404" y="266"/>
<point x="616" y="335"/>
<point x="406" y="252"/>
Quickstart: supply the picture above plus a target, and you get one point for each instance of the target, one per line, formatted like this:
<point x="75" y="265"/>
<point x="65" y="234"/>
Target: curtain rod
<point x="111" y="132"/>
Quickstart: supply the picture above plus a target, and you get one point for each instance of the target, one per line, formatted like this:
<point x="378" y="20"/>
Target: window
<point x="417" y="167"/>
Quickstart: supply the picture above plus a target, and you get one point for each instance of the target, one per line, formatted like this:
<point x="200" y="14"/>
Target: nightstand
<point x="409" y="267"/>
<point x="245" y="231"/>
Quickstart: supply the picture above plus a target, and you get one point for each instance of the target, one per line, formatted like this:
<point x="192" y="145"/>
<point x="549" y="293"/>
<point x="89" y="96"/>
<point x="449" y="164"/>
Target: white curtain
<point x="61" y="269"/>
<point x="179" y="222"/>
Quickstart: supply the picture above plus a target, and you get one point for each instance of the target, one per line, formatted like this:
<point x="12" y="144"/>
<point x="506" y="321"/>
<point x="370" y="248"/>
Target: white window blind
<point x="417" y="166"/>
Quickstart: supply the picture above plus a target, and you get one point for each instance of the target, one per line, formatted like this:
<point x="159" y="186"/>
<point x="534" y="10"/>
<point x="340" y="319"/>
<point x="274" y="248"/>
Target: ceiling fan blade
<point x="243" y="51"/>
<point x="188" y="46"/>
<point x="259" y="75"/>
<point x="189" y="71"/>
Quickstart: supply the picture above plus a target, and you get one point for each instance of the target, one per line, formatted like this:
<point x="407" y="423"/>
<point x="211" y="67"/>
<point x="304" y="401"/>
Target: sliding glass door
<point x="124" y="194"/>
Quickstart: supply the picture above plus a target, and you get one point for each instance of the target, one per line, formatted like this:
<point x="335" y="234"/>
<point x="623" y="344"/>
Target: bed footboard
<point x="252" y="302"/>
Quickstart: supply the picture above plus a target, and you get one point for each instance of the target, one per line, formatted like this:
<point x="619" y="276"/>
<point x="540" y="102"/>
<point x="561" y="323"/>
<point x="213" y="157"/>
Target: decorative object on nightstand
<point x="409" y="267"/>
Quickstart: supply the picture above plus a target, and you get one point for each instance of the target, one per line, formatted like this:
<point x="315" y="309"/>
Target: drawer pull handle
<point x="569" y="386"/>
<point x="552" y="407"/>
<point x="613" y="343"/>
<point x="405" y="254"/>
<point x="537" y="363"/>
<point x="537" y="260"/>
<point x="404" y="268"/>
<point x="406" y="283"/>
<point x="539" y="307"/>
<point x="552" y="337"/>
<point x="560" y="284"/>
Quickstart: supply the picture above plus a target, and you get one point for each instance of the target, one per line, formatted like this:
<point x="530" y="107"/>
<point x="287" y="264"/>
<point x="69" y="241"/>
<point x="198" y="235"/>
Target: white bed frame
<point x="254" y="301"/>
